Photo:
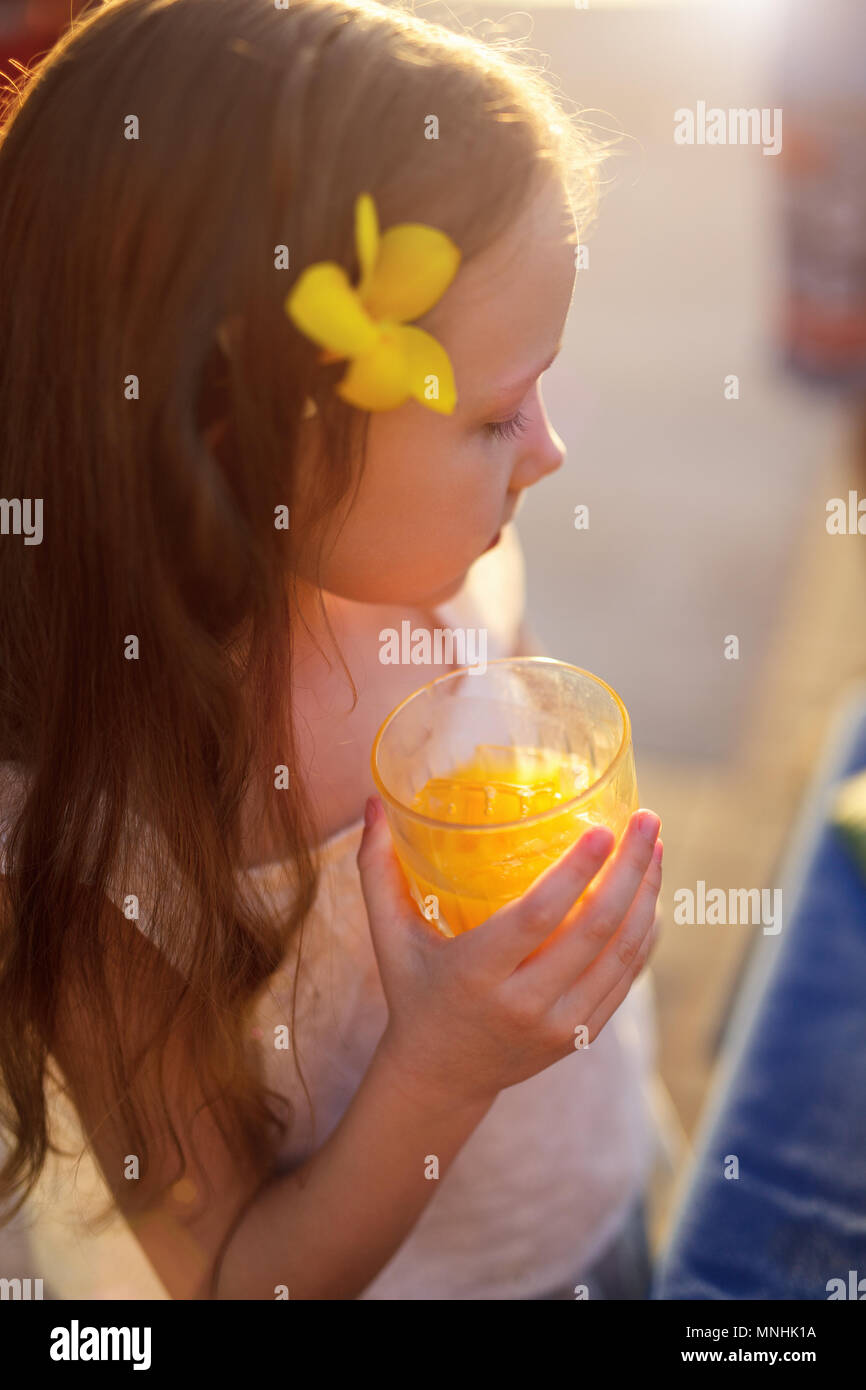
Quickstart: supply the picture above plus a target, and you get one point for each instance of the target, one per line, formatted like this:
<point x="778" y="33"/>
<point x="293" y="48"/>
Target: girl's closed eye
<point x="507" y="429"/>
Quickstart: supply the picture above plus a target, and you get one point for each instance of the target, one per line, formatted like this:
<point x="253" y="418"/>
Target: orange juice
<point x="463" y="876"/>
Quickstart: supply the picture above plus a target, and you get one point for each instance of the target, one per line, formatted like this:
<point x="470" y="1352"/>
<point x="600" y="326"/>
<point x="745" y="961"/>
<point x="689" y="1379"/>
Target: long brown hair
<point x="124" y="259"/>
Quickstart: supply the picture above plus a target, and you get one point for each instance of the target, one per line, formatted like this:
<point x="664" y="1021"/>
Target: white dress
<point x="541" y="1186"/>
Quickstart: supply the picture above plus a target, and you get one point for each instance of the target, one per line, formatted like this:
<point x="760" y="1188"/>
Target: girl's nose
<point x="543" y="453"/>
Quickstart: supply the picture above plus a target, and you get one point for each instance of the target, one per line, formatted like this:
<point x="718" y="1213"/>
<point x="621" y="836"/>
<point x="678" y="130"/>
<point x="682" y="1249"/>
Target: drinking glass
<point x="487" y="778"/>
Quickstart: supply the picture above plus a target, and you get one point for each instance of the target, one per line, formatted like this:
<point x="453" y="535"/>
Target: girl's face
<point x="437" y="489"/>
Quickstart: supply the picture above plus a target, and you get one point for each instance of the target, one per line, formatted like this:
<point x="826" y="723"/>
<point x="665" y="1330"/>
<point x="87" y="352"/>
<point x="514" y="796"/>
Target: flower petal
<point x="377" y="380"/>
<point x="414" y="268"/>
<point x="366" y="238"/>
<point x="431" y="377"/>
<point x="323" y="305"/>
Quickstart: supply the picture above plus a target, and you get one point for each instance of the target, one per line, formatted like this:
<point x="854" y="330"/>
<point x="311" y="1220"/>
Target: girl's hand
<point x="497" y="1004"/>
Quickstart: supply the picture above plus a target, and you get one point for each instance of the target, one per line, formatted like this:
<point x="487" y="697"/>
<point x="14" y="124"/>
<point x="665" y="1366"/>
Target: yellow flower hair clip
<point x="404" y="271"/>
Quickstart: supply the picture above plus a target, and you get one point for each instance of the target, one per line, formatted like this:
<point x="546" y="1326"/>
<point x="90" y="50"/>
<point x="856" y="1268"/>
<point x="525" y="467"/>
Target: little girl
<point x="265" y="420"/>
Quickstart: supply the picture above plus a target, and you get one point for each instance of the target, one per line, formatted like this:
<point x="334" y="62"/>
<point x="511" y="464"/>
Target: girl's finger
<point x="605" y="1011"/>
<point x="608" y="979"/>
<point x="513" y="933"/>
<point x="619" y="955"/>
<point x="598" y="916"/>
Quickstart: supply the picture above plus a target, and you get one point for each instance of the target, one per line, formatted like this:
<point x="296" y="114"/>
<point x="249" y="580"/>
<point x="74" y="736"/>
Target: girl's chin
<point x="449" y="590"/>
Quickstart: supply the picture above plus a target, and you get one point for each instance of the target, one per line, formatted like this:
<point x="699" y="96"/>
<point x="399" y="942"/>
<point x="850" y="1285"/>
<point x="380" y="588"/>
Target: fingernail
<point x="658" y="852"/>
<point x="371" y="811"/>
<point x="598" y="839"/>
<point x="649" y="825"/>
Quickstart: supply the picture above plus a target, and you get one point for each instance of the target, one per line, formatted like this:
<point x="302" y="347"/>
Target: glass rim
<point x="540" y="816"/>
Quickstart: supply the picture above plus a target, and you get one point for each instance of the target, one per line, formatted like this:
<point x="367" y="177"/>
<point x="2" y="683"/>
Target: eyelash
<point x="507" y="429"/>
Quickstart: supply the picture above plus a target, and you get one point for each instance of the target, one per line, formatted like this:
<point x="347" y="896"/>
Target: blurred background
<point x="707" y="500"/>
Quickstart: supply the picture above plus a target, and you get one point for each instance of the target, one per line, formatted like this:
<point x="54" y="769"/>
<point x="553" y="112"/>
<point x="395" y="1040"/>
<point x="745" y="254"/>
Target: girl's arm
<point x="324" y="1230"/>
